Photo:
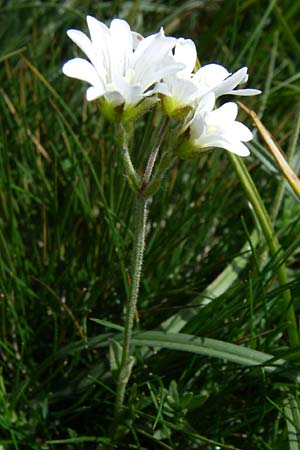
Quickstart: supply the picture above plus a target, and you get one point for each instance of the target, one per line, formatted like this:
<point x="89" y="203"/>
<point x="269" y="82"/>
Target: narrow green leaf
<point x="220" y="284"/>
<point x="292" y="417"/>
<point x="210" y="347"/>
<point x="107" y="324"/>
<point x="78" y="439"/>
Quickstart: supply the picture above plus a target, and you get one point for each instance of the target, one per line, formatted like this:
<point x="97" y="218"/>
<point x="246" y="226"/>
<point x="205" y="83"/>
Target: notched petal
<point x="81" y="69"/>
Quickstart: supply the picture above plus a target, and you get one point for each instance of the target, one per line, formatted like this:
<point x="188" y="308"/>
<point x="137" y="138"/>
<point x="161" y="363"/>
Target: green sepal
<point x="173" y="109"/>
<point x="120" y="114"/>
<point x="135" y="112"/>
<point x="186" y="149"/>
<point x="111" y="113"/>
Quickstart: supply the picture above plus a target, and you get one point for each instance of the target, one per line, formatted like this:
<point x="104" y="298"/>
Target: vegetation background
<point x="66" y="238"/>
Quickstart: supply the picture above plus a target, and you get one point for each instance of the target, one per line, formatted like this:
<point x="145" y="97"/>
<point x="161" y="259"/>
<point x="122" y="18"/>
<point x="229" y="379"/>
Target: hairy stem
<point x="154" y="153"/>
<point x="133" y="177"/>
<point x="137" y="263"/>
<point x="141" y="210"/>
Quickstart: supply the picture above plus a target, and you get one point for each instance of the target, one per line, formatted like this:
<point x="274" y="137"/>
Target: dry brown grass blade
<point x="275" y="150"/>
<point x="34" y="139"/>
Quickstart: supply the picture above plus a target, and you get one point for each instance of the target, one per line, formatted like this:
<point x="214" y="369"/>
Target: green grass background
<point x="66" y="239"/>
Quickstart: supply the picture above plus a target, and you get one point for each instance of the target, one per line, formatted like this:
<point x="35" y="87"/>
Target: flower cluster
<point x="129" y="73"/>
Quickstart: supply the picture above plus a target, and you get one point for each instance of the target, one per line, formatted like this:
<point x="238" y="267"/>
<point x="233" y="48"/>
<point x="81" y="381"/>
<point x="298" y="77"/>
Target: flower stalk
<point x="133" y="177"/>
<point x="140" y="185"/>
<point x="153" y="154"/>
<point x="127" y="360"/>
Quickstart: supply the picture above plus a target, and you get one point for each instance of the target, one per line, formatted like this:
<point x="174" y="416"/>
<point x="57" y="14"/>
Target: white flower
<point x="186" y="88"/>
<point x="215" y="78"/>
<point x="182" y="90"/>
<point x="211" y="128"/>
<point x="123" y="67"/>
<point x="218" y="128"/>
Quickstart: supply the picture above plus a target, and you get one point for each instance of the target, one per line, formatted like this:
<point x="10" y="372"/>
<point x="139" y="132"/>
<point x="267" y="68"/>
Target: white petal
<point x="211" y="74"/>
<point x="206" y="141"/>
<point x="114" y="97"/>
<point x="136" y="39"/>
<point x="160" y="45"/>
<point x="120" y="31"/>
<point x="101" y="41"/>
<point x="224" y="115"/>
<point x="151" y="61"/>
<point x="146" y="43"/>
<point x="122" y="42"/>
<point x="185" y="53"/>
<point x="238" y="148"/>
<point x="241" y="75"/>
<point x="184" y="90"/>
<point x="197" y="126"/>
<point x="160" y="88"/>
<point x="98" y="31"/>
<point x="83" y="42"/>
<point x="119" y="83"/>
<point x="241" y="131"/>
<point x="231" y="82"/>
<point x="244" y="92"/>
<point x="130" y="93"/>
<point x="133" y="95"/>
<point x="92" y="93"/>
<point x="166" y="69"/>
<point x="232" y="145"/>
<point x="207" y="103"/>
<point x="82" y="70"/>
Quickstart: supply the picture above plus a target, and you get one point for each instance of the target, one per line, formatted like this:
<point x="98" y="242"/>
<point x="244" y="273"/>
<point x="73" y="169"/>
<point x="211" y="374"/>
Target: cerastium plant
<point x="128" y="75"/>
